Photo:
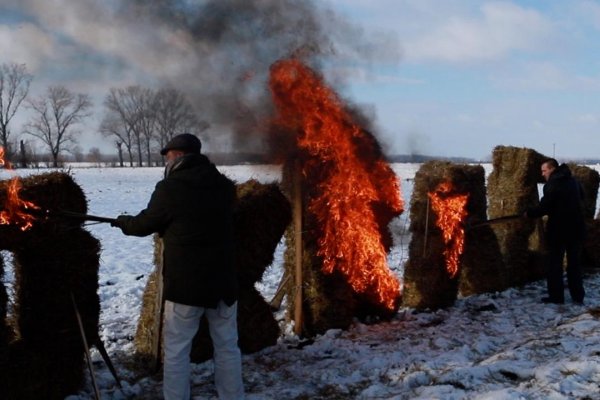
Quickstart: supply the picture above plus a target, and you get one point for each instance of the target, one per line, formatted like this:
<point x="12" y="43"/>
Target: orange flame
<point x="451" y="212"/>
<point x="357" y="191"/>
<point x="13" y="212"/>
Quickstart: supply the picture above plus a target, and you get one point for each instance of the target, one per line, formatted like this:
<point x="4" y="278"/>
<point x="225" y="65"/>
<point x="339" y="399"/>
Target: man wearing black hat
<point x="565" y="230"/>
<point x="192" y="210"/>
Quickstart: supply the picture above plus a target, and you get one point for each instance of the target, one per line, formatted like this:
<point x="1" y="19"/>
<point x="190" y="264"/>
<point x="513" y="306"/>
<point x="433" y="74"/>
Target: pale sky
<point x="437" y="77"/>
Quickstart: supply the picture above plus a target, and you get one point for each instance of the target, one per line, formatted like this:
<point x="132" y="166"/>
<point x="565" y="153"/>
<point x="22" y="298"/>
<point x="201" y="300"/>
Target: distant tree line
<point x="138" y="120"/>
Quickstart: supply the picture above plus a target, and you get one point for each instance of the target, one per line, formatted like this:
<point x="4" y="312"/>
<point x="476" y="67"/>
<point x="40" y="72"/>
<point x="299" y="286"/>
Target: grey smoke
<point x="234" y="42"/>
<point x="217" y="51"/>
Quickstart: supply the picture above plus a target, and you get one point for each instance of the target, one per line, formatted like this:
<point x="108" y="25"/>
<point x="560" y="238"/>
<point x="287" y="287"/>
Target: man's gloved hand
<point x="119" y="221"/>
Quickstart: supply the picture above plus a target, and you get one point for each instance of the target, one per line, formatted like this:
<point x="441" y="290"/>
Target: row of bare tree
<point x="138" y="119"/>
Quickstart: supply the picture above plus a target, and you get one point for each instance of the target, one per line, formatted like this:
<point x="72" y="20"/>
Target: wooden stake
<point x="275" y="302"/>
<point x="159" y="307"/>
<point x="298" y="241"/>
<point x="426" y="228"/>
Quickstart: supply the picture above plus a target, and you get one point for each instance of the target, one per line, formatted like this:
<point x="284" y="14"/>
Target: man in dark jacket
<point x="565" y="229"/>
<point x="192" y="210"/>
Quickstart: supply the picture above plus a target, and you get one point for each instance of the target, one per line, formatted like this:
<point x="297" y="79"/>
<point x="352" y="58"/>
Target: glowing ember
<point x="358" y="193"/>
<point x="14" y="212"/>
<point x="450" y="210"/>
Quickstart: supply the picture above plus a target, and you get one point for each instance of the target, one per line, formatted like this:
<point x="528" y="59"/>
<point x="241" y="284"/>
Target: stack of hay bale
<point x="55" y="261"/>
<point x="427" y="283"/>
<point x="512" y="189"/>
<point x="261" y="215"/>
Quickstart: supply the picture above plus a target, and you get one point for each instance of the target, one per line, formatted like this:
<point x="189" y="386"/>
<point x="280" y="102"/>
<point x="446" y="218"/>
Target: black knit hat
<point x="185" y="142"/>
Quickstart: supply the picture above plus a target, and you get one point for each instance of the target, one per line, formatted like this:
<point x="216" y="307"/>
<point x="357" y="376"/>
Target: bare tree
<point x="129" y="116"/>
<point x="55" y="115"/>
<point x="14" y="87"/>
<point x="119" y="151"/>
<point x="175" y="114"/>
<point x="94" y="155"/>
<point x="114" y="125"/>
<point x="147" y="121"/>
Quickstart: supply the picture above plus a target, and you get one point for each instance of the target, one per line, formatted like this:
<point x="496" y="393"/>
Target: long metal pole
<point x="492" y="221"/>
<point x="86" y="348"/>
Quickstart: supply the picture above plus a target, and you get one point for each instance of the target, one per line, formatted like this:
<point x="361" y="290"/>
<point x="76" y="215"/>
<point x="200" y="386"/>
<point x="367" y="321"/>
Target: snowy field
<point x="504" y="345"/>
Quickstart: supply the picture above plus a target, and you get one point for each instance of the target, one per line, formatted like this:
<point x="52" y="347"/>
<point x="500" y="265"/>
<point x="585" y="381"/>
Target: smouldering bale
<point x="261" y="215"/>
<point x="513" y="188"/>
<point x="53" y="191"/>
<point x="427" y="281"/>
<point x="54" y="262"/>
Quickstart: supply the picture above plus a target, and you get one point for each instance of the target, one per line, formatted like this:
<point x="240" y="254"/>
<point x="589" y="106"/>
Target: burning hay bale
<point x="328" y="300"/>
<point x="441" y="252"/>
<point x="345" y="194"/>
<point x="56" y="264"/>
<point x="513" y="188"/>
<point x="261" y="215"/>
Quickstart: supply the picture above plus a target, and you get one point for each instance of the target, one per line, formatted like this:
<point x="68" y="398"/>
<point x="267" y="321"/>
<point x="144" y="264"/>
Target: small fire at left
<point x="15" y="211"/>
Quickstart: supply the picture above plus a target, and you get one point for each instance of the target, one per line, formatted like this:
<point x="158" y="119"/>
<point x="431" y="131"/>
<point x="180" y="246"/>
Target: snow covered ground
<point x="504" y="345"/>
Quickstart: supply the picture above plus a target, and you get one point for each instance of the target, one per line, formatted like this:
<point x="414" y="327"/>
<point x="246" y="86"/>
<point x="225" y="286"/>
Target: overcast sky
<point x="437" y="77"/>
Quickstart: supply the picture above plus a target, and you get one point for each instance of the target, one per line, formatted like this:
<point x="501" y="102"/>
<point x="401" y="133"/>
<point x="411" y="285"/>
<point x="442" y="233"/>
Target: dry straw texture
<point x="512" y="189"/>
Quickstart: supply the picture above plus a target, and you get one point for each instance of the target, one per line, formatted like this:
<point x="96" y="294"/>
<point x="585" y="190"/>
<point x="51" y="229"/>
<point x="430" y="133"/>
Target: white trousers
<point x="180" y="326"/>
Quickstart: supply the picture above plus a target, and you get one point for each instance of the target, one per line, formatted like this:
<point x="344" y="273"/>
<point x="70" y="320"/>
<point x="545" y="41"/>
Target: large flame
<point x="357" y="191"/>
<point x="14" y="211"/>
<point x="450" y="209"/>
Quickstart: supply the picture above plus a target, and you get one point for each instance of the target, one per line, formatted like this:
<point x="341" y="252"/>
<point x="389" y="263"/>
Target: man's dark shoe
<point x="578" y="302"/>
<point x="550" y="300"/>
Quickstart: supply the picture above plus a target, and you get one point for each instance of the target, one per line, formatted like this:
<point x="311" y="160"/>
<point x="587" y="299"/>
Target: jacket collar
<point x="184" y="162"/>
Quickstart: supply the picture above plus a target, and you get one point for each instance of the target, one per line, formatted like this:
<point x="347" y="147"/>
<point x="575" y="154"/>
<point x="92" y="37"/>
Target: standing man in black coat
<point x="192" y="210"/>
<point x="565" y="230"/>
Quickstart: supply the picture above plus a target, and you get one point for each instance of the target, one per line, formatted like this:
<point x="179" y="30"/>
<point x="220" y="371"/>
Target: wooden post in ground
<point x="297" y="216"/>
<point x="159" y="310"/>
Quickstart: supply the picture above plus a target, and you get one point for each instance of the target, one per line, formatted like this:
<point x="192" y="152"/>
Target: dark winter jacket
<point x="192" y="210"/>
<point x="562" y="203"/>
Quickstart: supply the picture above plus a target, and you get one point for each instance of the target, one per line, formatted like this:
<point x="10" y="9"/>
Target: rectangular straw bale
<point x="427" y="284"/>
<point x="589" y="180"/>
<point x="512" y="188"/>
